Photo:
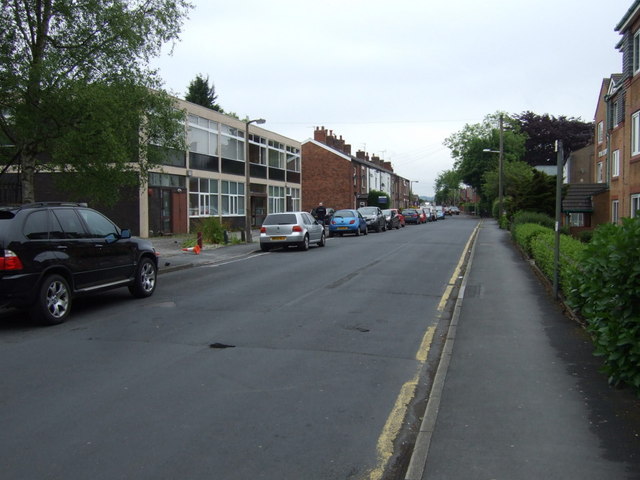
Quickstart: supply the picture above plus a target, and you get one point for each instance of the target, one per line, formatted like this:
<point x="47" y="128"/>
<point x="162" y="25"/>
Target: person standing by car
<point x="321" y="212"/>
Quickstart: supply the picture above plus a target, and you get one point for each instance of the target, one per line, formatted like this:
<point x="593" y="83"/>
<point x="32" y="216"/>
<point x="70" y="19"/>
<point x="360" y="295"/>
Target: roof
<point x="628" y="16"/>
<point x="578" y="196"/>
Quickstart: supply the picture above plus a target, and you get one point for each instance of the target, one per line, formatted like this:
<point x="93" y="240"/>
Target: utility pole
<point x="556" y="252"/>
<point x="500" y="163"/>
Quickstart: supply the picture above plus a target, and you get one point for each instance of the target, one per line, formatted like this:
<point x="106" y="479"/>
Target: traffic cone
<point x="195" y="249"/>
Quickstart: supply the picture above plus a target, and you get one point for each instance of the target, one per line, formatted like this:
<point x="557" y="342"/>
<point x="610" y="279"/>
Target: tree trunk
<point x="28" y="169"/>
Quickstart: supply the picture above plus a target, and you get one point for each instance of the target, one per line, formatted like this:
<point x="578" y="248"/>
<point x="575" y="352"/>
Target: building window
<point x="635" y="205"/>
<point x="258" y="149"/>
<point x="231" y="143"/>
<point x="635" y="133"/>
<point x="293" y="159"/>
<point x="294" y="195"/>
<point x="203" y="197"/>
<point x="600" y="132"/>
<point x="615" y="113"/>
<point x="276" y="155"/>
<point x="636" y="52"/>
<point x="615" y="163"/>
<point x="576" y="219"/>
<point x="276" y="199"/>
<point x="599" y="173"/>
<point x="202" y="136"/>
<point x="232" y="198"/>
<point x="615" y="215"/>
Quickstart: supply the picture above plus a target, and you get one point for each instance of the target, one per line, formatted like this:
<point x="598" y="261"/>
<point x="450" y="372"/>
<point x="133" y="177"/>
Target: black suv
<point x="53" y="252"/>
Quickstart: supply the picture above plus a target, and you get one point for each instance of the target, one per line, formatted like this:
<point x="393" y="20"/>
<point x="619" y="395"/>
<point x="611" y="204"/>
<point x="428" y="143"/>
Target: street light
<point x="247" y="179"/>
<point x="411" y="189"/>
<point x="500" y="162"/>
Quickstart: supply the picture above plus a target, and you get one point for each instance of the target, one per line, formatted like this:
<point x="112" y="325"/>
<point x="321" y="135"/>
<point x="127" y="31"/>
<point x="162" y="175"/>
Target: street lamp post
<point x="500" y="162"/>
<point x="247" y="179"/>
<point x="411" y="182"/>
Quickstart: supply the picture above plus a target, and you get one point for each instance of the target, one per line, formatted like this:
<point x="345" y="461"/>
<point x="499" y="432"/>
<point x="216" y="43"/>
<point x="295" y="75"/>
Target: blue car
<point x="347" y="221"/>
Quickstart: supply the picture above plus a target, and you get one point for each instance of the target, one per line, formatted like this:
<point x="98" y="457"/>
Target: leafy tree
<point x="543" y="130"/>
<point x="76" y="92"/>
<point x="201" y="93"/>
<point x="447" y="187"/>
<point x="467" y="148"/>
<point x="374" y="199"/>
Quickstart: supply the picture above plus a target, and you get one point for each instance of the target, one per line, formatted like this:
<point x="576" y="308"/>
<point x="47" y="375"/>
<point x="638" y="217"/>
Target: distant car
<point x="440" y="212"/>
<point x="374" y="217"/>
<point x="427" y="213"/>
<point x="447" y="210"/>
<point x="347" y="221"/>
<point x="394" y="218"/>
<point x="423" y="215"/>
<point x="411" y="215"/>
<point x="53" y="252"/>
<point x="455" y="210"/>
<point x="291" y="229"/>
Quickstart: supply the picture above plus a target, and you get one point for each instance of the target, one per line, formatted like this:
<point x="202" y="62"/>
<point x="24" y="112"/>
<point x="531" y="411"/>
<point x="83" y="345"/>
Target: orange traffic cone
<point x="195" y="249"/>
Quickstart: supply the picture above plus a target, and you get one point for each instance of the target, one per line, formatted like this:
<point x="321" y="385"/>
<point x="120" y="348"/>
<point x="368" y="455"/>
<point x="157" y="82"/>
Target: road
<point x="282" y="365"/>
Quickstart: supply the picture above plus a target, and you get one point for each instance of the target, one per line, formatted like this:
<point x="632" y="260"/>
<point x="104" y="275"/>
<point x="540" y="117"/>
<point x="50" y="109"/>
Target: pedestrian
<point x="321" y="211"/>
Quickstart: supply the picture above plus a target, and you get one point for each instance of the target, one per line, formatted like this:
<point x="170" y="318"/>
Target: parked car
<point x="286" y="229"/>
<point x="393" y="217"/>
<point x="347" y="221"/>
<point x="423" y="215"/>
<point x="53" y="252"/>
<point x="428" y="215"/>
<point x="455" y="210"/>
<point x="374" y="218"/>
<point x="411" y="215"/>
<point x="440" y="212"/>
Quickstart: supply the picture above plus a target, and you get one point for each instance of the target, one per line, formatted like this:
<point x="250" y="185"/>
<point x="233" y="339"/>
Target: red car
<point x="394" y="218"/>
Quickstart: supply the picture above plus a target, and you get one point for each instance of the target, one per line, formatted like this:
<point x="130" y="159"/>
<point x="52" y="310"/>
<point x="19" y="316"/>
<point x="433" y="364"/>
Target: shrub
<point x="211" y="228"/>
<point x="533" y="217"/>
<point x="606" y="289"/>
<point x="571" y="253"/>
<point x="524" y="232"/>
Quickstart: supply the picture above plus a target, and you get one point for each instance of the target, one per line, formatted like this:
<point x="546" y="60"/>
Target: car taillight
<point x="296" y="228"/>
<point x="351" y="222"/>
<point x="263" y="230"/>
<point x="10" y="261"/>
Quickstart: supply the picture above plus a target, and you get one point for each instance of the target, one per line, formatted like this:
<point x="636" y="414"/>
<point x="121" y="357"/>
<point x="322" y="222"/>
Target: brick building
<point x="332" y="175"/>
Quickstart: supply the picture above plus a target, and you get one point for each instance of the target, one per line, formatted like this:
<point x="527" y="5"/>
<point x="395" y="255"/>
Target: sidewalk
<point x="173" y="258"/>
<point x="518" y="395"/>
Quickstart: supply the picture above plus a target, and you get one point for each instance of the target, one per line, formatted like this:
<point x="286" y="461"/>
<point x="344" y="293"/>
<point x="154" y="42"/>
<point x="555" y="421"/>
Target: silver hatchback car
<point x="291" y="228"/>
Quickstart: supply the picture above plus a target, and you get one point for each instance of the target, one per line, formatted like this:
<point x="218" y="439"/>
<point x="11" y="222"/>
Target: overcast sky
<point x="395" y="78"/>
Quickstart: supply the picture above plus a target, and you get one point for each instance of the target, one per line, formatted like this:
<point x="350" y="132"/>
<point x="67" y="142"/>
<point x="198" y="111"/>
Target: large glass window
<point x="231" y="143"/>
<point x="293" y="159"/>
<point x="276" y="154"/>
<point x="276" y="199"/>
<point x="203" y="197"/>
<point x="294" y="198"/>
<point x="202" y="136"/>
<point x="258" y="149"/>
<point x="232" y="198"/>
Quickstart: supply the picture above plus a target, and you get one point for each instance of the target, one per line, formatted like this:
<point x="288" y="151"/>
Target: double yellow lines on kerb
<point x="393" y="424"/>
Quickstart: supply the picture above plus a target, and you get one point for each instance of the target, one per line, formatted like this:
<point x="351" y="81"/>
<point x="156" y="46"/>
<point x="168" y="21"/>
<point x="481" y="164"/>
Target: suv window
<point x="71" y="225"/>
<point x="99" y="226"/>
<point x="36" y="226"/>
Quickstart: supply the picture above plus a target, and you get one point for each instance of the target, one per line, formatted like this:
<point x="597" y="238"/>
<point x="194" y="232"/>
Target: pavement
<point x="518" y="394"/>
<point x="173" y="257"/>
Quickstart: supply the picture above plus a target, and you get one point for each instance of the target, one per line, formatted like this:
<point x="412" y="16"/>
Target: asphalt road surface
<point x="285" y="365"/>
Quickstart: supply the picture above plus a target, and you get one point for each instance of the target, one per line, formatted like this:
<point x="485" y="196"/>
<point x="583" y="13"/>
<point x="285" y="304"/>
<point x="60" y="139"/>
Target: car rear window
<point x="344" y="213"/>
<point x="281" y="219"/>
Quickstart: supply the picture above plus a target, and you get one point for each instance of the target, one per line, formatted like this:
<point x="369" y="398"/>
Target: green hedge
<point x="571" y="253"/>
<point x="605" y="288"/>
<point x="523" y="233"/>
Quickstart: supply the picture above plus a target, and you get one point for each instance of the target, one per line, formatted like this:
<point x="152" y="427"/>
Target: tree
<point x="447" y="187"/>
<point x="374" y="199"/>
<point x="467" y="148"/>
<point x="543" y="130"/>
<point x="201" y="93"/>
<point x="77" y="95"/>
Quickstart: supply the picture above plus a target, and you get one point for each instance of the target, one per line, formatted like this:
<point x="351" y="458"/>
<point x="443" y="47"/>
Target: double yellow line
<point x="393" y="424"/>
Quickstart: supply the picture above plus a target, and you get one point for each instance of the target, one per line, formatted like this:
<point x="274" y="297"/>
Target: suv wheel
<point x="144" y="283"/>
<point x="53" y="304"/>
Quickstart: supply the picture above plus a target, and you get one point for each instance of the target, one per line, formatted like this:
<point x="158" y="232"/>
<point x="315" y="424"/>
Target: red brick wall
<point x="326" y="177"/>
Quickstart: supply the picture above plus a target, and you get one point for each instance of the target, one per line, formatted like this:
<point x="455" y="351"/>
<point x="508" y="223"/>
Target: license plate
<point x="343" y="228"/>
<point x="278" y="238"/>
